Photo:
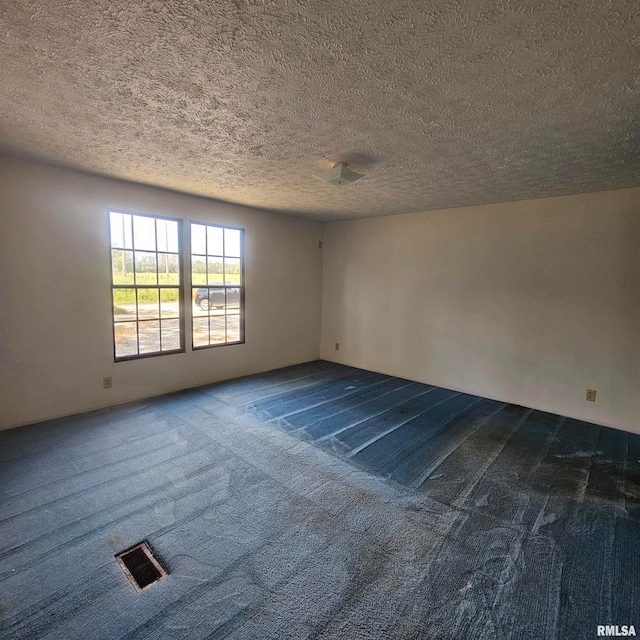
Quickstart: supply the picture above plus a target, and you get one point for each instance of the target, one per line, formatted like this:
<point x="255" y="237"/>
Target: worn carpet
<point x="320" y="501"/>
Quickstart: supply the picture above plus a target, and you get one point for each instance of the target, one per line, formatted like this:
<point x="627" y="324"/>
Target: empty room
<point x="319" y="320"/>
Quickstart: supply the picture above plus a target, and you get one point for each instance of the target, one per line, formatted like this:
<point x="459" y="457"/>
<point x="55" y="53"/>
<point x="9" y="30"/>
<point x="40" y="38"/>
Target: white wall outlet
<point x="591" y="395"/>
<point x="107" y="383"/>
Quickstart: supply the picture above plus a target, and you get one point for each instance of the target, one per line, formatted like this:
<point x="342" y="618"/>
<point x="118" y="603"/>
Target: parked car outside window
<point x="215" y="298"/>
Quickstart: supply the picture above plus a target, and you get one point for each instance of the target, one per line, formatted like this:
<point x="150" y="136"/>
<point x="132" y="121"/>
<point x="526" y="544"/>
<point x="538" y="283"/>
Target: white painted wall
<point x="529" y="302"/>
<point x="55" y="308"/>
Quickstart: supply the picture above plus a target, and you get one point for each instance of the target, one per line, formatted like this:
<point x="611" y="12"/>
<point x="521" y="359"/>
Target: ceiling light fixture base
<point x="340" y="175"/>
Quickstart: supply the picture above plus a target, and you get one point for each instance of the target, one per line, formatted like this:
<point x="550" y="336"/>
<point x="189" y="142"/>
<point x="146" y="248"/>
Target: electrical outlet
<point x="591" y="395"/>
<point x="107" y="383"/>
<point x="319" y="244"/>
<point x="337" y="346"/>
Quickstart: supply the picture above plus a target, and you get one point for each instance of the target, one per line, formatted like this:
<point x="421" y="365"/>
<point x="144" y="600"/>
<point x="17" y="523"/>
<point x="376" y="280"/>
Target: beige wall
<point x="55" y="308"/>
<point x="529" y="302"/>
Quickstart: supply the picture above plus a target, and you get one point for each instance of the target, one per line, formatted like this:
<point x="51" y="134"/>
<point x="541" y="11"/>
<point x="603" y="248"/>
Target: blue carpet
<point x="320" y="501"/>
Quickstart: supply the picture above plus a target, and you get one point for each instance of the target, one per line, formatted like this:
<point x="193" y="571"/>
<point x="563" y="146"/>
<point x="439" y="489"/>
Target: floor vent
<point x="140" y="566"/>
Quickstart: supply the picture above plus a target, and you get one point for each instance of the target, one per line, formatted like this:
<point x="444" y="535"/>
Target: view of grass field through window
<point x="217" y="285"/>
<point x="145" y="261"/>
<point x="147" y="289"/>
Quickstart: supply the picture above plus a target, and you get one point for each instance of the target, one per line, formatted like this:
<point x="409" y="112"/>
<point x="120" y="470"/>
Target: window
<point x="146" y="284"/>
<point x="217" y="282"/>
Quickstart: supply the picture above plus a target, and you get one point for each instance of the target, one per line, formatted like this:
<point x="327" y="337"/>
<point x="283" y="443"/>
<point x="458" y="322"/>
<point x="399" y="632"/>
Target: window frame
<point x="135" y="287"/>
<point x="241" y="312"/>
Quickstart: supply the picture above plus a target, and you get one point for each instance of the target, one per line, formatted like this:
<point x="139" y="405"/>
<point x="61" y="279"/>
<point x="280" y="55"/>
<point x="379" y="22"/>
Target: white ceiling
<point x="440" y="104"/>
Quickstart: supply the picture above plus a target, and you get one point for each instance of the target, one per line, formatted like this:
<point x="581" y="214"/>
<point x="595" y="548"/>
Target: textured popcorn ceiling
<point x="440" y="104"/>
